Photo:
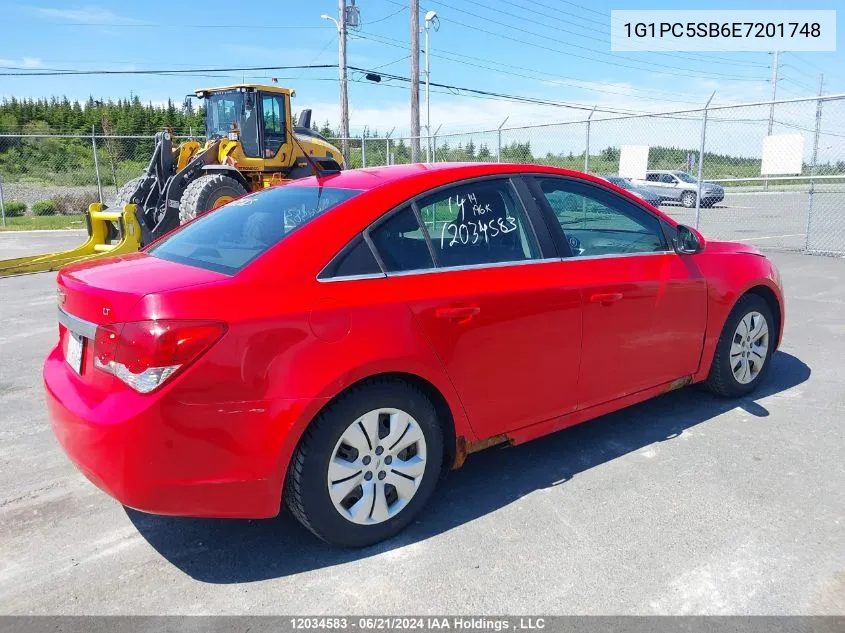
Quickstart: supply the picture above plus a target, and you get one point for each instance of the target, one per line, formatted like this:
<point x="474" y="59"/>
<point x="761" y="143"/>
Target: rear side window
<point x="401" y="243"/>
<point x="355" y="259"/>
<point x="227" y="239"/>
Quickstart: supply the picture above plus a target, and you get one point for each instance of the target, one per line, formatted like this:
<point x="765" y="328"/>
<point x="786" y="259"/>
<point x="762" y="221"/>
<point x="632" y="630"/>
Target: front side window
<point x="227" y="239"/>
<point x="669" y="179"/>
<point x="230" y="110"/>
<point x="686" y="177"/>
<point x="273" y="107"/>
<point x="597" y="222"/>
<point x="480" y="222"/>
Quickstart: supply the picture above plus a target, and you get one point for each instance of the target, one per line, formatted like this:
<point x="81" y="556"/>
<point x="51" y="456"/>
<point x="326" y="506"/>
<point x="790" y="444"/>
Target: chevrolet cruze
<point x="336" y="342"/>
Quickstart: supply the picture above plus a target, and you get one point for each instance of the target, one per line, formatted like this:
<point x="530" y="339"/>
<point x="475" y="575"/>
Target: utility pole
<point x="775" y="69"/>
<point x="415" y="81"/>
<point x="430" y="19"/>
<point x="812" y="187"/>
<point x="347" y="16"/>
<point x="344" y="97"/>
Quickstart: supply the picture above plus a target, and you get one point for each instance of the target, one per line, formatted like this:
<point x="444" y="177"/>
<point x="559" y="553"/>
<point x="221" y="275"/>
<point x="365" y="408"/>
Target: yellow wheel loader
<point x="251" y="143"/>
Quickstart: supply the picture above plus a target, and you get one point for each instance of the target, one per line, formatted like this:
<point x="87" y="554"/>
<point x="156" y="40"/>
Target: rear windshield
<point x="227" y="239"/>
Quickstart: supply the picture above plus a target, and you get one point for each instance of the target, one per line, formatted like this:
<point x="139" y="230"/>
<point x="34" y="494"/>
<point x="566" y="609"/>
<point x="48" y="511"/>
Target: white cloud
<point x="25" y="62"/>
<point x="90" y="14"/>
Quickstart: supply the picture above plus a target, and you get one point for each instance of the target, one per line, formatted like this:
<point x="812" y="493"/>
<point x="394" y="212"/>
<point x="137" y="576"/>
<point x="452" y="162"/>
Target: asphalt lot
<point x="775" y="219"/>
<point x="683" y="505"/>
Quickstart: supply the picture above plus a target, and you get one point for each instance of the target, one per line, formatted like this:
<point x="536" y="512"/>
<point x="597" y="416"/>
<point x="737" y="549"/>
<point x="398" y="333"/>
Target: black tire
<point x="124" y="197"/>
<point x="124" y="194"/>
<point x="306" y="490"/>
<point x="688" y="199"/>
<point x="204" y="192"/>
<point x="721" y="380"/>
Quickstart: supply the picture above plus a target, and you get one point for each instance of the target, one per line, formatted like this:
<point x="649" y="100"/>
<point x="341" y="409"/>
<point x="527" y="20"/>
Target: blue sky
<point x="548" y="49"/>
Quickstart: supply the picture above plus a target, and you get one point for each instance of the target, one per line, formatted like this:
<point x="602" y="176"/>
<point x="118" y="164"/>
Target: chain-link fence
<point x="801" y="210"/>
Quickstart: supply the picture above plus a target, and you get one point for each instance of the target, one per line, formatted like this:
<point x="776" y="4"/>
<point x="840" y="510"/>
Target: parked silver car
<point x="641" y="192"/>
<point x="679" y="186"/>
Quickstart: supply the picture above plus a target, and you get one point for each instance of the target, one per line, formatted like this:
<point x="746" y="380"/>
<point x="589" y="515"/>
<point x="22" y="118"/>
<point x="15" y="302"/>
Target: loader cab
<point x="258" y="118"/>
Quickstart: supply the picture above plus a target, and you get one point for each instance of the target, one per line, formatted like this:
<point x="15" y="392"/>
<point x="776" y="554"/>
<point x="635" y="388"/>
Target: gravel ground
<point x="687" y="504"/>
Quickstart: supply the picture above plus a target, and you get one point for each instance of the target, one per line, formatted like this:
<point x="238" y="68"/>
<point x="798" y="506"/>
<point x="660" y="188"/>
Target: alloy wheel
<point x="376" y="466"/>
<point x="749" y="347"/>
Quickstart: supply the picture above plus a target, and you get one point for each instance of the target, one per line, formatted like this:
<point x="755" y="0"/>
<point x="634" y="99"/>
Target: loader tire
<point x="124" y="197"/>
<point x="206" y="193"/>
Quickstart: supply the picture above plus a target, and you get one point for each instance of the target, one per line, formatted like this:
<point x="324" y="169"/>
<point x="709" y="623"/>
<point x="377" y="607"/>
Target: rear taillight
<point x="144" y="354"/>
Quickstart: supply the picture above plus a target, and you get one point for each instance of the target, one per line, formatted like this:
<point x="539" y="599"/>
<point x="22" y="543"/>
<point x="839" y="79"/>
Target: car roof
<point x="369" y="178"/>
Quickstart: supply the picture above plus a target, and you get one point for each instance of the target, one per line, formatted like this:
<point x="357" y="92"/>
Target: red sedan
<point x="338" y="342"/>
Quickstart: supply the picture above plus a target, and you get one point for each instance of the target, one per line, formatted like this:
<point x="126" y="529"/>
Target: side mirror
<point x="688" y="241"/>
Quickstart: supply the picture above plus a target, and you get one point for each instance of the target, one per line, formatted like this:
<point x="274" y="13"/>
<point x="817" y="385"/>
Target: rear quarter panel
<point x="293" y="345"/>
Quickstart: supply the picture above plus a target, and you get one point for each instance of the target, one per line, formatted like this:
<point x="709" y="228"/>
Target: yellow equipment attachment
<point x="95" y="247"/>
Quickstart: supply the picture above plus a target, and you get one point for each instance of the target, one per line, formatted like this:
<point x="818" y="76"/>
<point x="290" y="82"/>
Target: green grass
<point x="29" y="223"/>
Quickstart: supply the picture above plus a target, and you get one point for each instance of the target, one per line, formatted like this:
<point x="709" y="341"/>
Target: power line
<point x="811" y="64"/>
<point x="387" y="17"/>
<point x="696" y="74"/>
<point x="54" y="72"/>
<point x="535" y="100"/>
<point x="460" y="58"/>
<point x="603" y="32"/>
<point x="609" y="17"/>
<point x="195" y="71"/>
<point x="448" y="56"/>
<point x="170" y="25"/>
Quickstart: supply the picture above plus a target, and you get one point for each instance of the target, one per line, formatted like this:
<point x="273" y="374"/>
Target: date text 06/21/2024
<point x="409" y="623"/>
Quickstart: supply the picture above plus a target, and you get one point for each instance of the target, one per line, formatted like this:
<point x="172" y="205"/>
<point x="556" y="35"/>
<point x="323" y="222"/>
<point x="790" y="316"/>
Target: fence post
<point x="2" y="205"/>
<point x="363" y="151"/>
<point x="96" y="165"/>
<point x="433" y="141"/>
<point x="499" y="141"/>
<point x="813" y="165"/>
<point x="587" y="148"/>
<point x="701" y="160"/>
<point x="387" y="154"/>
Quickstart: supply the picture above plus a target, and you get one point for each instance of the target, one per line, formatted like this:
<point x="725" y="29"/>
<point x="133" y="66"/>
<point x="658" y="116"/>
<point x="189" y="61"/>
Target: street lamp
<point x="431" y="19"/>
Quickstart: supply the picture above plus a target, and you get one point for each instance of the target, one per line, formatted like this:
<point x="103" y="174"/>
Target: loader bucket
<point x="96" y="246"/>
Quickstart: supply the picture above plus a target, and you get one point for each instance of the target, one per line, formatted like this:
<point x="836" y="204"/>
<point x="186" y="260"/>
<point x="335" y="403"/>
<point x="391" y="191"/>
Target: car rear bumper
<point x="162" y="455"/>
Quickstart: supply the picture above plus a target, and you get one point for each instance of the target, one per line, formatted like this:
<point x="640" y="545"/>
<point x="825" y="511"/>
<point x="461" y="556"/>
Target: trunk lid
<point x="106" y="291"/>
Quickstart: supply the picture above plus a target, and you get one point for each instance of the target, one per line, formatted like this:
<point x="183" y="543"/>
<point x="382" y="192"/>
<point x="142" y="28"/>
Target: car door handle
<point x="462" y="314"/>
<point x="605" y="298"/>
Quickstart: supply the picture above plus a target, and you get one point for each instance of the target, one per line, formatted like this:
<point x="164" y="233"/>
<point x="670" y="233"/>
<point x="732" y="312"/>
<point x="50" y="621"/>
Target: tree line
<point x="124" y="116"/>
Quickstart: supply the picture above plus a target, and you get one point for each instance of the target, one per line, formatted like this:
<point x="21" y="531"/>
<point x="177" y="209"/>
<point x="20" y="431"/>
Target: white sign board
<point x="782" y="155"/>
<point x="633" y="161"/>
